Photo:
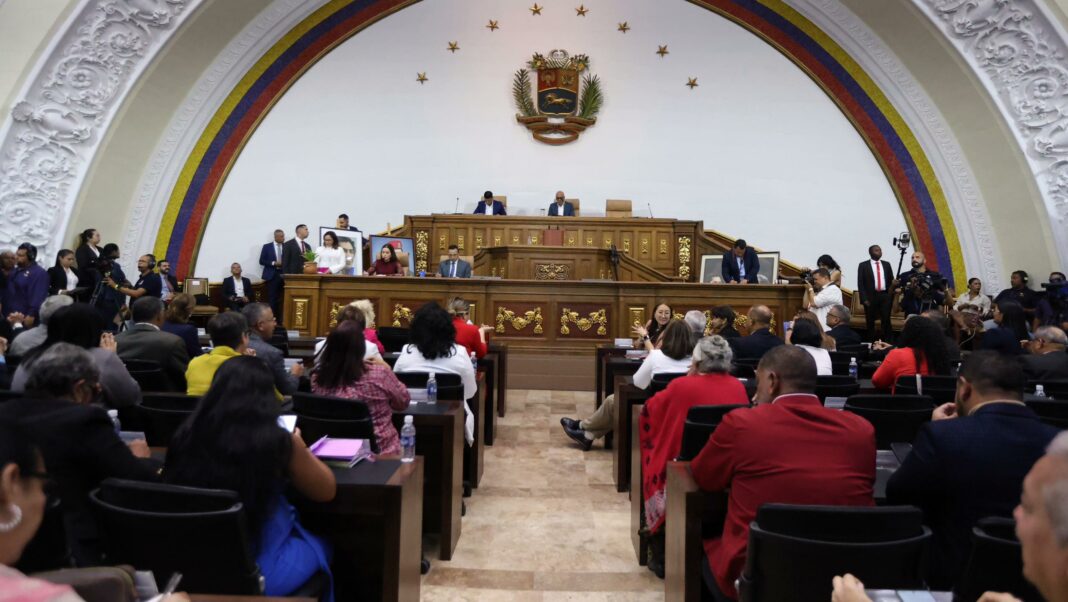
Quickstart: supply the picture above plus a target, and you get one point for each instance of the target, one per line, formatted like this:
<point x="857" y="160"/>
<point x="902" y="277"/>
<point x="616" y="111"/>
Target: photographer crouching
<point x="922" y="289"/>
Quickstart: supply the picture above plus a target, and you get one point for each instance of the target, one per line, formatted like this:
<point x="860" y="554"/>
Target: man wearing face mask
<point x="922" y="289"/>
<point x="969" y="462"/>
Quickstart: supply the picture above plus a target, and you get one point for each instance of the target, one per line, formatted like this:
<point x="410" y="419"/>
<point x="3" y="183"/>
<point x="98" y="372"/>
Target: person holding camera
<point x="107" y="299"/>
<point x="922" y="289"/>
<point x="1052" y="310"/>
<point x="821" y="302"/>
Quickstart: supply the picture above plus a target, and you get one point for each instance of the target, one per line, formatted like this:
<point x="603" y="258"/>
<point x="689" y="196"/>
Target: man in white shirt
<point x="821" y="303"/>
<point x="236" y="288"/>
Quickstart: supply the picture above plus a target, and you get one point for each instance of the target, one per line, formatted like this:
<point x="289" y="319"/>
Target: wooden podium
<point x="562" y="263"/>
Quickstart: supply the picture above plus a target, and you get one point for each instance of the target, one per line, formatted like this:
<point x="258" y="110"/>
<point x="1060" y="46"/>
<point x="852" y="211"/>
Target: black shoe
<point x="570" y="423"/>
<point x="579" y="436"/>
<point x="424" y="566"/>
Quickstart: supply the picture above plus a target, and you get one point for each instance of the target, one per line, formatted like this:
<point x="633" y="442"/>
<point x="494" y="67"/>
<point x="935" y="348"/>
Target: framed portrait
<point x="352" y="244"/>
<point x="404" y="247"/>
<point x="712" y="265"/>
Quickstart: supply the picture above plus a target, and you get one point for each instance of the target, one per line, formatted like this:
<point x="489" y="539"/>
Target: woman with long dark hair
<point x="62" y="279"/>
<point x="1011" y="330"/>
<point x="921" y="349"/>
<point x="341" y="371"/>
<point x="233" y="441"/>
<point x="387" y="263"/>
<point x="80" y="325"/>
<point x="86" y="255"/>
<point x="828" y="263"/>
<point x="808" y="335"/>
<point x="649" y="334"/>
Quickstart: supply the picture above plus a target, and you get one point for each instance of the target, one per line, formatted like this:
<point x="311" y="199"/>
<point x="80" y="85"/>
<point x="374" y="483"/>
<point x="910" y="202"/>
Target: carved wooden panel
<point x="584" y="321"/>
<point x="519" y="319"/>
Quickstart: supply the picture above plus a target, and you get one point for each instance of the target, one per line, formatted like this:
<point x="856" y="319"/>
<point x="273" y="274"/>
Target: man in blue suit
<point x="271" y="260"/>
<point x="561" y="207"/>
<point x="454" y="267"/>
<point x="970" y="461"/>
<point x="741" y="265"/>
<point x="491" y="204"/>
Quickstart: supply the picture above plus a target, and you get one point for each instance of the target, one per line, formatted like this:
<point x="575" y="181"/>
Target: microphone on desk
<point x="650" y="206"/>
<point x="456" y="209"/>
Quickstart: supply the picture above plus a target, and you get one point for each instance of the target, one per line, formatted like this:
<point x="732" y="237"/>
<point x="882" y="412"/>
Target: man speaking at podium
<point x="561" y="207"/>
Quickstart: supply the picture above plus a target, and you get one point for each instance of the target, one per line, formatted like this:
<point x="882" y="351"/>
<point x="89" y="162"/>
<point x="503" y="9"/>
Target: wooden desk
<point x="531" y="262"/>
<point x="440" y="441"/>
<point x="489" y="366"/>
<point x="501" y="351"/>
<point x="374" y="524"/>
<point x="683" y="550"/>
<point x="474" y="454"/>
<point x="637" y="503"/>
<point x="602" y="382"/>
<point x="627" y="396"/>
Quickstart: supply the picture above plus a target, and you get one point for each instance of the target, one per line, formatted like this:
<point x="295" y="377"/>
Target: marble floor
<point x="546" y="522"/>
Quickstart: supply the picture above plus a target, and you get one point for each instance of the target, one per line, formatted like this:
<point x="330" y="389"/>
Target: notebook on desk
<point x="342" y="452"/>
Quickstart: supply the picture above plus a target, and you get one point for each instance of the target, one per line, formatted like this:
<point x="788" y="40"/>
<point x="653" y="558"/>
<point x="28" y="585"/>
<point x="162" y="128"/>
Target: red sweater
<point x="467" y="335"/>
<point x="899" y="362"/>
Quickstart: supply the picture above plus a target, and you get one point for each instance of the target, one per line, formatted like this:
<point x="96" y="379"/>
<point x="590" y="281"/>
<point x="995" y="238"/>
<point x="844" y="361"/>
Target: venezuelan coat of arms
<point x="567" y="101"/>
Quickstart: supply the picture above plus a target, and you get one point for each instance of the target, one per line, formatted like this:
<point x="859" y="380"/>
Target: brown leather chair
<point x="617" y="208"/>
<point x="198" y="287"/>
<point x="503" y="199"/>
<point x="574" y="205"/>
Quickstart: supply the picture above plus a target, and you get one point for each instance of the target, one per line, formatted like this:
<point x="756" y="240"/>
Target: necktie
<point x="277" y="252"/>
<point x="879" y="276"/>
<point x="303" y="247"/>
<point x="452" y="272"/>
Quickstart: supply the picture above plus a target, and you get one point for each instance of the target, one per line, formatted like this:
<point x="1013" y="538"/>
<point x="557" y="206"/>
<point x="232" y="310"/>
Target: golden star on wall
<point x="581" y="10"/>
<point x="536" y="10"/>
<point x="692" y="83"/>
<point x="662" y="50"/>
<point x="453" y="47"/>
<point x="421" y="78"/>
<point x="493" y="25"/>
<point x="624" y="27"/>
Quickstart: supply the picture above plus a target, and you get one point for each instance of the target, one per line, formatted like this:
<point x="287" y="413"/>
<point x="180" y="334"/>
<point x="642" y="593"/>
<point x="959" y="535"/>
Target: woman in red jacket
<point x="921" y="349"/>
<point x="472" y="337"/>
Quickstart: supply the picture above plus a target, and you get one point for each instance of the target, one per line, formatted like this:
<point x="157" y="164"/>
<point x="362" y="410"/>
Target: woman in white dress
<point x="331" y="255"/>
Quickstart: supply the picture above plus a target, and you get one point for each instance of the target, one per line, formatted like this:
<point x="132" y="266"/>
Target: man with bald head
<point x="561" y="207"/>
<point x="787" y="449"/>
<point x="922" y="288"/>
<point x="760" y="338"/>
<point x="1042" y="522"/>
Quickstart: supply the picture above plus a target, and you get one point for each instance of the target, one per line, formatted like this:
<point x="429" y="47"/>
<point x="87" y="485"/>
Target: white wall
<point x="756" y="151"/>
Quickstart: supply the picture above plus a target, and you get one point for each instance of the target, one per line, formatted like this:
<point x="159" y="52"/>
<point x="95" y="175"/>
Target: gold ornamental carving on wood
<point x="663" y="246"/>
<point x="300" y="313"/>
<point x="589" y="241"/>
<point x="401" y="312"/>
<point x="460" y="242"/>
<point x="478" y="242"/>
<point x="626" y="246"/>
<point x="443" y="241"/>
<point x="685" y="243"/>
<point x="570" y="240"/>
<point x="335" y="309"/>
<point x="552" y="271"/>
<point x="422" y="250"/>
<point x="597" y="318"/>
<point x="644" y="246"/>
<point x="515" y="239"/>
<point x="507" y="316"/>
<point x="496" y="241"/>
<point x="637" y="315"/>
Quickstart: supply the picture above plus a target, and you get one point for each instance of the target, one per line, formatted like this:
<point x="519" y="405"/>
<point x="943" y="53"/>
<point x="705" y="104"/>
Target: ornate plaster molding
<point x="49" y="140"/>
<point x="197" y="109"/>
<point x="978" y="242"/>
<point x="1020" y="55"/>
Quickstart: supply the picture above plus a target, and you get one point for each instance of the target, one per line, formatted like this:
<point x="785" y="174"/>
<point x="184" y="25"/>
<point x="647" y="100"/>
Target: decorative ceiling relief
<point x="53" y="131"/>
<point x="1020" y="55"/>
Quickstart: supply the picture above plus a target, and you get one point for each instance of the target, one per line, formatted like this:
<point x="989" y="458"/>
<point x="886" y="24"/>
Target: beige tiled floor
<point x="546" y="524"/>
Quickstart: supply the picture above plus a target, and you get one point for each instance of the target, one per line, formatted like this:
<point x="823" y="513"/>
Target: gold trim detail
<point x="626" y="246"/>
<point x="460" y="242"/>
<point x="552" y="271"/>
<point x="608" y="243"/>
<point x="589" y="241"/>
<point x="663" y="246"/>
<point x="507" y="316"/>
<point x="422" y="249"/>
<point x="335" y="309"/>
<point x="644" y="246"/>
<point x="401" y="312"/>
<point x="300" y="313"/>
<point x="443" y="242"/>
<point x="684" y="257"/>
<point x="471" y="313"/>
<point x="515" y="238"/>
<point x="597" y="318"/>
<point x="570" y="240"/>
<point x="496" y="241"/>
<point x="636" y="315"/>
<point x="478" y="242"/>
<point x="534" y="239"/>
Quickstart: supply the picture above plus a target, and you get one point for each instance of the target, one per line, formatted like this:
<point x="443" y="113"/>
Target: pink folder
<point x="339" y="449"/>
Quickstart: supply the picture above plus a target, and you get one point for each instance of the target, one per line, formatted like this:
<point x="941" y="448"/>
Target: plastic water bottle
<point x="853" y="367"/>
<point x="474" y="361"/>
<point x="114" y="416"/>
<point x="432" y="388"/>
<point x="407" y="437"/>
<point x="1040" y="391"/>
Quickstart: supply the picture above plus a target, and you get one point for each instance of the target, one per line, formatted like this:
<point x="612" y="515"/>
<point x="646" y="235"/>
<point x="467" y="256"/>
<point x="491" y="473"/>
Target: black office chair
<point x="840" y="362"/>
<point x="200" y="533"/>
<point x="660" y="381"/>
<point x="159" y="415"/>
<point x="743" y="370"/>
<point x="393" y="338"/>
<point x="450" y="387"/>
<point x="1053" y="412"/>
<point x="995" y="563"/>
<point x="896" y="418"/>
<point x="701" y="422"/>
<point x="1056" y="388"/>
<point x="942" y="389"/>
<point x="836" y="386"/>
<point x="147" y="373"/>
<point x="319" y="416"/>
<point x="860" y="351"/>
<point x="795" y="551"/>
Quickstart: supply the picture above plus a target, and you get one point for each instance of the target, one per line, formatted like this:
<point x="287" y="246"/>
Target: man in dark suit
<point x="1047" y="359"/>
<point x="237" y="290"/>
<point x="760" y="338"/>
<point x="874" y="283"/>
<point x="922" y="288"/>
<point x="146" y="341"/>
<point x="969" y="462"/>
<point x="293" y="252"/>
<point x="75" y="437"/>
<point x="838" y="318"/>
<point x="490" y="205"/>
<point x="343" y="224"/>
<point x="740" y="265"/>
<point x="271" y="260"/>
<point x="261" y="323"/>
<point x="168" y="283"/>
<point x="454" y="267"/>
<point x="561" y="207"/>
<point x="787" y="449"/>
